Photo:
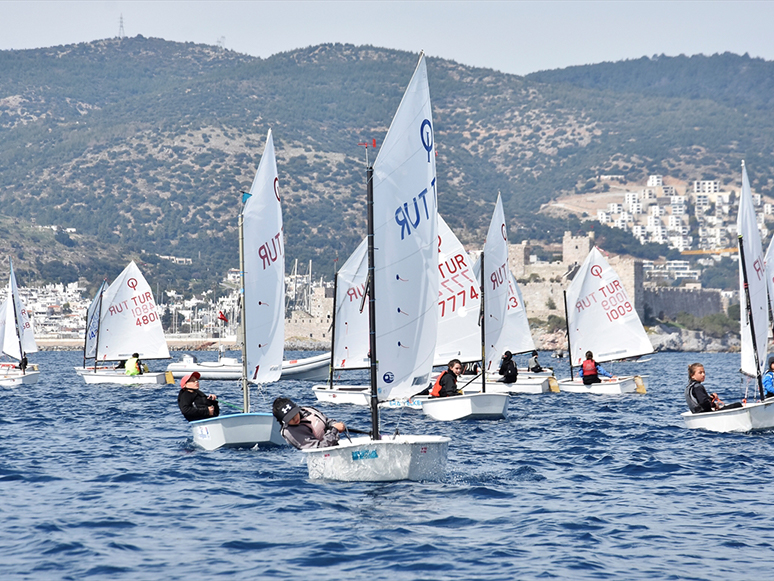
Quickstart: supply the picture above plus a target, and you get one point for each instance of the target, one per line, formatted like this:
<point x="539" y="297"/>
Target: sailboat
<point x="458" y="334"/>
<point x="122" y="320"/>
<point x="494" y="305"/>
<point x="18" y="338"/>
<point x="601" y="319"/>
<point x="262" y="268"/>
<point x="753" y="284"/>
<point x="402" y="267"/>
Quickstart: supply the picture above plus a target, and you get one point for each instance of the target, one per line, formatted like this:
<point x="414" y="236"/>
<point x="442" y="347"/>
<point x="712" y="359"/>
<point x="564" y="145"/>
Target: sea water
<point x="104" y="482"/>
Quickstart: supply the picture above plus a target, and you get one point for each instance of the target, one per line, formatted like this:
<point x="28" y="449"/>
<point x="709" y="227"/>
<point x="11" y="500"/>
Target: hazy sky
<point x="514" y="37"/>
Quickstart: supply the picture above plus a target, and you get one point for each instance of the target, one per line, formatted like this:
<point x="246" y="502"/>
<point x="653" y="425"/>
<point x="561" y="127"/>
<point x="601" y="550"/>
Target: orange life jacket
<point x="436" y="391"/>
<point x="589" y="367"/>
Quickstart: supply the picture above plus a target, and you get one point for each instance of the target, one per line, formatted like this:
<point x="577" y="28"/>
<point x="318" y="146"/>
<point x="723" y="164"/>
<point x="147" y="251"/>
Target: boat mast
<point x="243" y="310"/>
<point x="99" y="324"/>
<point x="333" y="323"/>
<point x="16" y="320"/>
<point x="567" y="326"/>
<point x="372" y="302"/>
<point x="483" y="327"/>
<point x="748" y="309"/>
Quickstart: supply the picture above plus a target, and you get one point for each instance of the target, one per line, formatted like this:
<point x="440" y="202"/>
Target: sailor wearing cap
<point x="193" y="403"/>
<point x="306" y="427"/>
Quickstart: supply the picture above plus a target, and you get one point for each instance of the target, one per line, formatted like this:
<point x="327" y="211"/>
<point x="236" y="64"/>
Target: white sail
<point x="769" y="260"/>
<point x="264" y="249"/>
<point x="749" y="236"/>
<point x="496" y="279"/>
<point x="130" y="322"/>
<point x="459" y="304"/>
<point x="517" y="332"/>
<point x="19" y="334"/>
<point x="405" y="241"/>
<point x="350" y="349"/>
<point x="601" y="316"/>
<point x="92" y="323"/>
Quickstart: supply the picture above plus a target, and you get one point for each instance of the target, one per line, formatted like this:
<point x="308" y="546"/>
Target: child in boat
<point x="306" y="427"/>
<point x="768" y="379"/>
<point x="533" y="364"/>
<point x="696" y="395"/>
<point x="591" y="370"/>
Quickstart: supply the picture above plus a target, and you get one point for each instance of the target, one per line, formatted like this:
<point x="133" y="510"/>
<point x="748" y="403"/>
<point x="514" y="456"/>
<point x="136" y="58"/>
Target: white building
<point x="655" y="181"/>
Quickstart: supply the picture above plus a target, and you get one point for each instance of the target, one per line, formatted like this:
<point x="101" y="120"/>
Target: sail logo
<point x="403" y="215"/>
<point x="269" y="251"/>
<point x="364" y="455"/>
<point x="426" y="135"/>
<point x="388" y="377"/>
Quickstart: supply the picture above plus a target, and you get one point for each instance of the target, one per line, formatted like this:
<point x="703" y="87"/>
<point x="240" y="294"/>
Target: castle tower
<point x="576" y="248"/>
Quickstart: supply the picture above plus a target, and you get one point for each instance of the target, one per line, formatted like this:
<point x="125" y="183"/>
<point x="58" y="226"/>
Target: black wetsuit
<point x="193" y="403"/>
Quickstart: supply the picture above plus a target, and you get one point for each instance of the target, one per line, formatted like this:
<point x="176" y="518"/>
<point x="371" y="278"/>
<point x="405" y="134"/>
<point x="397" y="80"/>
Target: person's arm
<point x="602" y="371"/>
<point x="768" y="382"/>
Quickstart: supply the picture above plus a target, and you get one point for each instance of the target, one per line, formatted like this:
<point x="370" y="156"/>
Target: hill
<point x="143" y="145"/>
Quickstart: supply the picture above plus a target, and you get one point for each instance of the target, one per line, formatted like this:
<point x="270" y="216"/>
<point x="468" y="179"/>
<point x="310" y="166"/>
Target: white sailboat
<point x="494" y="293"/>
<point x="122" y="320"/>
<point x="458" y="332"/>
<point x="602" y="319"/>
<point x="753" y="286"/>
<point x="402" y="264"/>
<point x="18" y="338"/>
<point x="313" y="368"/>
<point x="262" y="266"/>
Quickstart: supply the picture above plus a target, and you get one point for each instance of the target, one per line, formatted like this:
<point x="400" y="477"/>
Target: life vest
<point x="690" y="399"/>
<point x="589" y="368"/>
<point x="316" y="423"/>
<point x="131" y="366"/>
<point x="436" y="391"/>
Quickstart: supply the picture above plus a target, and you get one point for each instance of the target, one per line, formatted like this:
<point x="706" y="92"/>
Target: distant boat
<point x="601" y="319"/>
<point x="758" y="415"/>
<point x="123" y="320"/>
<point x="18" y="338"/>
<point x="262" y="330"/>
<point x="230" y="368"/>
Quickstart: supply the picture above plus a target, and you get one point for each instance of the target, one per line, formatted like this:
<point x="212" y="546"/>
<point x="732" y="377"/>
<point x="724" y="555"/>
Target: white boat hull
<point x="389" y="459"/>
<point x="237" y="431"/>
<point x="14" y="377"/>
<point x="748" y="418"/>
<point x="617" y="386"/>
<point x="476" y="406"/>
<point x="525" y="385"/>
<point x="228" y="368"/>
<point x="118" y="376"/>
<point x="352" y="394"/>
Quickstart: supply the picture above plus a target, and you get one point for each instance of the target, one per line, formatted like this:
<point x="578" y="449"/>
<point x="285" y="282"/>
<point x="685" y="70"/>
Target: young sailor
<point x="591" y="370"/>
<point x="508" y="368"/>
<point x="533" y="364"/>
<point x="446" y="383"/>
<point x="193" y="404"/>
<point x="305" y="427"/>
<point x="696" y="395"/>
<point x="768" y="379"/>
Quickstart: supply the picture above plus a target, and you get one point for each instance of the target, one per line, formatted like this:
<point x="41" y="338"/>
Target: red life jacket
<point x="589" y="367"/>
<point x="435" y="392"/>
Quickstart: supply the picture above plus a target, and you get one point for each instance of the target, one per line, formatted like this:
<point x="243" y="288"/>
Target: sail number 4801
<point x="145" y="315"/>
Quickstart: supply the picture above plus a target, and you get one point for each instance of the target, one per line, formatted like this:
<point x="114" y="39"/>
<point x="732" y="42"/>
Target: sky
<point x="517" y="37"/>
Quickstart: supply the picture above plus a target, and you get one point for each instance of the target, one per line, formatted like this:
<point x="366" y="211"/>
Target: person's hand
<point x="339" y="426"/>
<point x="211" y="410"/>
<point x="212" y="397"/>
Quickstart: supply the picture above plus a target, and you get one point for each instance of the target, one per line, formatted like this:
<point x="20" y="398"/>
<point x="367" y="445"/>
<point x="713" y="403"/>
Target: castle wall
<point x="667" y="301"/>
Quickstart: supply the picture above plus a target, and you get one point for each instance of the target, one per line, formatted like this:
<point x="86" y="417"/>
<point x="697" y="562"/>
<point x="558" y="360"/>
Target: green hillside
<point x="143" y="145"/>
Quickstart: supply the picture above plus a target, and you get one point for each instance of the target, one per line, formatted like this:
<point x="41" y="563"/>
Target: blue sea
<point x="104" y="482"/>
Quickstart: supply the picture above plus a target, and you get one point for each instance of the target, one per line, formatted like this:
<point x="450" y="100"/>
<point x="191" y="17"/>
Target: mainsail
<point x="496" y="281"/>
<point x="750" y="239"/>
<point x="350" y="348"/>
<point x="19" y="334"/>
<point x="459" y="336"/>
<point x="129" y="322"/>
<point x="406" y="245"/>
<point x="264" y="276"/>
<point x="601" y="317"/>
<point x="92" y="322"/>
